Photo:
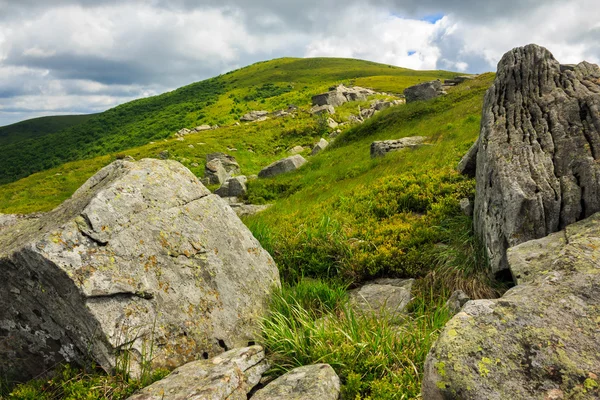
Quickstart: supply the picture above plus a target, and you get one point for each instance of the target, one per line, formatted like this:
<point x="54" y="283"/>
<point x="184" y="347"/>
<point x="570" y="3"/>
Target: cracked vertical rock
<point x="538" y="158"/>
<point x="141" y="257"/>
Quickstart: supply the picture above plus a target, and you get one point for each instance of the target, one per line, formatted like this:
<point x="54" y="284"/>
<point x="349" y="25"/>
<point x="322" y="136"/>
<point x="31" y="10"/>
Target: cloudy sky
<point x="82" y="56"/>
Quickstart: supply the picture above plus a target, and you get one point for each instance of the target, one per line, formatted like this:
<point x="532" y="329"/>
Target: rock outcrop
<point x="219" y="167"/>
<point x="233" y="187"/>
<point x="228" y="376"/>
<point x="381" y="148"/>
<point x="382" y="296"/>
<point x="424" y="91"/>
<point x="317" y="110"/>
<point x="538" y="158"/>
<point x="141" y="257"/>
<point x="279" y="167"/>
<point x="310" y="382"/>
<point x="338" y="95"/>
<point x="540" y="340"/>
<point x="468" y="164"/>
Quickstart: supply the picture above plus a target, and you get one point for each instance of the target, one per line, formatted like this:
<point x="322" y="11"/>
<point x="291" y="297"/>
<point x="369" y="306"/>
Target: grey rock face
<point x="244" y="210"/>
<point x="332" y="98"/>
<point x="142" y="256"/>
<point x="468" y="164"/>
<point x="331" y="123"/>
<point x="254" y="116"/>
<point x="233" y="187"/>
<point x="466" y="206"/>
<point x="219" y="167"/>
<point x="424" y="91"/>
<point x="539" y="147"/>
<point x="228" y="376"/>
<point x="203" y="128"/>
<point x="382" y="296"/>
<point x="316" y="110"/>
<point x="319" y="147"/>
<point x="456" y="301"/>
<point x="310" y="382"/>
<point x="279" y="167"/>
<point x="164" y="155"/>
<point x="381" y="148"/>
<point x="540" y="340"/>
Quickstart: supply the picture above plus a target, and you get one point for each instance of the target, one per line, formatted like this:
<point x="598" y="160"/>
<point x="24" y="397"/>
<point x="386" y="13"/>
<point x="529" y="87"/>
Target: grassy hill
<point x="41" y="144"/>
<point x="341" y="219"/>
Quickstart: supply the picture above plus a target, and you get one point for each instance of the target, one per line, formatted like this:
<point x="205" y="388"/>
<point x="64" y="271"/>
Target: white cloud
<point x="88" y="55"/>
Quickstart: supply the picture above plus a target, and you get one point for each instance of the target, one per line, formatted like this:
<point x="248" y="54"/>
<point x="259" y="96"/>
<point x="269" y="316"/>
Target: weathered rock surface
<point x="319" y="147"/>
<point x="219" y="167"/>
<point x="457" y="300"/>
<point x="316" y="110"/>
<point x="540" y="339"/>
<point x="341" y="94"/>
<point x="141" y="256"/>
<point x="203" y="128"/>
<point x="254" y="116"/>
<point x="228" y="376"/>
<point x="382" y="296"/>
<point x="466" y="206"/>
<point x="296" y="150"/>
<point x="233" y="187"/>
<point x="331" y="123"/>
<point x="424" y="91"/>
<point x="381" y="148"/>
<point x="279" y="167"/>
<point x="538" y="166"/>
<point x="244" y="210"/>
<point x="310" y="382"/>
<point x="468" y="164"/>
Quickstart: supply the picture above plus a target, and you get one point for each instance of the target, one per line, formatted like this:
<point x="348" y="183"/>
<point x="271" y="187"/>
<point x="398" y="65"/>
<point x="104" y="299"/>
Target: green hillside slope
<point x="221" y="100"/>
<point x="36" y="127"/>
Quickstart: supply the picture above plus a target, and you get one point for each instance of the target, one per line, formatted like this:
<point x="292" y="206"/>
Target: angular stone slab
<point x="279" y="167"/>
<point x="381" y="148"/>
<point x="310" y="382"/>
<point x="382" y="296"/>
<point x="540" y="340"/>
<point x="142" y="256"/>
<point x="229" y="376"/>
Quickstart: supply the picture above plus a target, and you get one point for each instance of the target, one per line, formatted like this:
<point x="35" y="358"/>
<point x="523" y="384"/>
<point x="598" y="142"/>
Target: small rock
<point x="331" y="123"/>
<point x="254" y="116"/>
<point x="164" y="155"/>
<point x="288" y="164"/>
<point x="319" y="147"/>
<point x="195" y="164"/>
<point x="424" y="91"/>
<point x="202" y="128"/>
<point x="296" y="150"/>
<point x="191" y="146"/>
<point x="311" y="382"/>
<point x="233" y="187"/>
<point x="180" y="139"/>
<point x="381" y="148"/>
<point x="316" y="110"/>
<point x="382" y="296"/>
<point x="456" y="301"/>
<point x="466" y="206"/>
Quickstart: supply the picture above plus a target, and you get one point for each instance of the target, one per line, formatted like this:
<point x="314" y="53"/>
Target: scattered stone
<point x="279" y="167"/>
<point x="233" y="187"/>
<point x="380" y="105"/>
<point x="310" y="382"/>
<point x="219" y="167"/>
<point x="317" y="110"/>
<point x="195" y="164"/>
<point x="331" y="123"/>
<point x="468" y="164"/>
<point x="296" y="150"/>
<point x="424" y="91"/>
<point x="142" y="256"/>
<point x="466" y="206"/>
<point x="280" y="113"/>
<point x="202" y="128"/>
<point x="456" y="301"/>
<point x="164" y="155"/>
<point x="540" y="339"/>
<point x="229" y="376"/>
<point x="191" y="146"/>
<point x="319" y="147"/>
<point x="183" y="132"/>
<point x="382" y="296"/>
<point x="245" y="210"/>
<point x="381" y="148"/>
<point x="254" y="116"/>
<point x="538" y="159"/>
<point x="335" y="133"/>
<point x="333" y="98"/>
<point x="180" y="139"/>
<point x="367" y="113"/>
<point x="353" y="119"/>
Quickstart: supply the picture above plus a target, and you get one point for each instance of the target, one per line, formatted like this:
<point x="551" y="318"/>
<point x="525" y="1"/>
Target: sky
<point x="84" y="56"/>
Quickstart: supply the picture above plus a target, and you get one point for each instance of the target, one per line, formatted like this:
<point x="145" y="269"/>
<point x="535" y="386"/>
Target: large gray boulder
<point x="254" y="116"/>
<point x="228" y="376"/>
<point x="540" y="340"/>
<point x="310" y="382"/>
<point x="141" y="257"/>
<point x="424" y="91"/>
<point x="233" y="187"/>
<point x="279" y="167"/>
<point x="538" y="166"/>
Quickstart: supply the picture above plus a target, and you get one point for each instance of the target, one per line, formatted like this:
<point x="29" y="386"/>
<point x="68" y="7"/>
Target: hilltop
<point x="29" y="148"/>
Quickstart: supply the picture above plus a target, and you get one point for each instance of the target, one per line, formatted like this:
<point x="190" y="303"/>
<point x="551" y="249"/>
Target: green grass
<point x="37" y="127"/>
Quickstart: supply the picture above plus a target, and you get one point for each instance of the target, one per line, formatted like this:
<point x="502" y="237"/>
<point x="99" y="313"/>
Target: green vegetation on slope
<point x="221" y="100"/>
<point x="37" y="127"/>
<point x="341" y="219"/>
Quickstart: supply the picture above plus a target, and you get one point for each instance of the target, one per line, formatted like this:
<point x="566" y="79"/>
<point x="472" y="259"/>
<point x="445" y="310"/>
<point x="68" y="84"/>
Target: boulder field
<point x="142" y="260"/>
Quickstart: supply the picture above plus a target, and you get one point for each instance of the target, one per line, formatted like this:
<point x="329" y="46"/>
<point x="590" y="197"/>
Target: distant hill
<point x="44" y="143"/>
<point x="36" y="127"/>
